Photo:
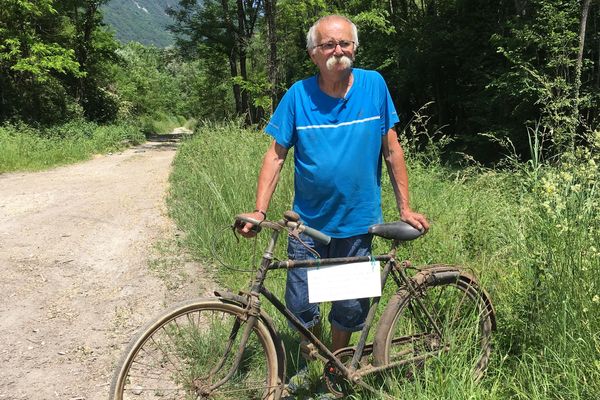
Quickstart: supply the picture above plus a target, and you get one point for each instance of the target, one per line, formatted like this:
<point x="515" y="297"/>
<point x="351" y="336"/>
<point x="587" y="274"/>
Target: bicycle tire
<point x="462" y="311"/>
<point x="174" y="355"/>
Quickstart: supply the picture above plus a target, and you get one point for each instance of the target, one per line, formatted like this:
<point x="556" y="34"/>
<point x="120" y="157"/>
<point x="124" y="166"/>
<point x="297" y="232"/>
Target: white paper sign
<point x="345" y="281"/>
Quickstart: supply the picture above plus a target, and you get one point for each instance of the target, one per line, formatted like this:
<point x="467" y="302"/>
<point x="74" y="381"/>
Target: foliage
<point x="225" y="29"/>
<point x="52" y="56"/>
<point x="540" y="82"/>
<point x="29" y="56"/>
<point x="153" y="83"/>
<point x="23" y="47"/>
<point x="23" y="147"/>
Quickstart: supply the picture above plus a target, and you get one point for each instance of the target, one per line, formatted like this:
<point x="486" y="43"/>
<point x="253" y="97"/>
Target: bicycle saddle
<point x="395" y="230"/>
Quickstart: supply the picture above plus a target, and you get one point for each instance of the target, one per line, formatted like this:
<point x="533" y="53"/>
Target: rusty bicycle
<point x="227" y="347"/>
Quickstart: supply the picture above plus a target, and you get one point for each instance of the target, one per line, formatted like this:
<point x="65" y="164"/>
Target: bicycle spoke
<point x="165" y="354"/>
<point x="232" y="336"/>
<point x="461" y="333"/>
<point x="184" y="356"/>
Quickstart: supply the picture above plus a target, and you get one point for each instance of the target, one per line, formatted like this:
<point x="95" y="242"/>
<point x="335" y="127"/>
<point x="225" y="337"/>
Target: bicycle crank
<point x="335" y="381"/>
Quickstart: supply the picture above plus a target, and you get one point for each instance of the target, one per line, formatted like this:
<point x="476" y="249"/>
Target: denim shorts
<point x="345" y="315"/>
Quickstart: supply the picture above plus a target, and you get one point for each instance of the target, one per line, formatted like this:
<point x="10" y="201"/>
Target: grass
<point x="23" y="147"/>
<point x="533" y="243"/>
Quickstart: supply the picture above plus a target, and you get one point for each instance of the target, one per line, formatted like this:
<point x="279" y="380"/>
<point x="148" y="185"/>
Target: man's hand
<point x="245" y="229"/>
<point x="419" y="221"/>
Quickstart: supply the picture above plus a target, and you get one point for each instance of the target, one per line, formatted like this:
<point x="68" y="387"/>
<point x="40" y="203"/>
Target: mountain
<point x="143" y="21"/>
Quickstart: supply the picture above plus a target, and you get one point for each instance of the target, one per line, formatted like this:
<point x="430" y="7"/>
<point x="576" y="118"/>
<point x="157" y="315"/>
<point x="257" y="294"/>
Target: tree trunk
<point x="244" y="75"/>
<point x="270" y="11"/>
<point x="232" y="57"/>
<point x="585" y="9"/>
<point x="520" y="7"/>
<point x="85" y="43"/>
<point x="236" y="87"/>
<point x="241" y="48"/>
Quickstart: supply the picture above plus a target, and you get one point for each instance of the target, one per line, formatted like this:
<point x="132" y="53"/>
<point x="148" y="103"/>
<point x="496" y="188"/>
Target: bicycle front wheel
<point x="190" y="348"/>
<point x="448" y="318"/>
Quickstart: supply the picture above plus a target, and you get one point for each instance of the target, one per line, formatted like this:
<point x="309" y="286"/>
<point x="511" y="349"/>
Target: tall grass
<point x="162" y="123"/>
<point x="23" y="147"/>
<point x="532" y="242"/>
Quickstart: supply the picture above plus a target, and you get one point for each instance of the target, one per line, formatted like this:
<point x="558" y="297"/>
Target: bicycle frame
<point x="257" y="288"/>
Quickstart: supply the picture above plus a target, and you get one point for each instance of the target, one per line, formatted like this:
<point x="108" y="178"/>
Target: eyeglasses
<point x="344" y="44"/>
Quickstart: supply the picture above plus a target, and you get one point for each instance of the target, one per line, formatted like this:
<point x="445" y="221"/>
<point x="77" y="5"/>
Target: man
<point x="340" y="123"/>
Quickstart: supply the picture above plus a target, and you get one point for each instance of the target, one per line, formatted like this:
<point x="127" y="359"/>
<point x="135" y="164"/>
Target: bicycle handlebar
<point x="313" y="233"/>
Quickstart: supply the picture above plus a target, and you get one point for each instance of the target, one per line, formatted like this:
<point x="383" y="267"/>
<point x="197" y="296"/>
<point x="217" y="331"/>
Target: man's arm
<point x="394" y="159"/>
<point x="267" y="182"/>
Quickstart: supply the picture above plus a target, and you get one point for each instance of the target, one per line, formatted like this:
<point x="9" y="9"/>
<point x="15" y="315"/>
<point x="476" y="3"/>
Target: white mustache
<point x="345" y="61"/>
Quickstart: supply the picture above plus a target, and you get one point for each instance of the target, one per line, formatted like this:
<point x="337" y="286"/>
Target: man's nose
<point x="338" y="50"/>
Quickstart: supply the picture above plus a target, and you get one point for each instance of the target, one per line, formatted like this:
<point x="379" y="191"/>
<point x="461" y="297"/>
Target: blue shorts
<point x="345" y="315"/>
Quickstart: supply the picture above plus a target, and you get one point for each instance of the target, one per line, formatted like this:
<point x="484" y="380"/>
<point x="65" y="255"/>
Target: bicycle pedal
<point x="309" y="351"/>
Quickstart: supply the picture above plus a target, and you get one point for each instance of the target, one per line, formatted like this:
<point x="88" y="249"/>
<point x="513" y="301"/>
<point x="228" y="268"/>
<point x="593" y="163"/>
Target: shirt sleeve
<point x="282" y="126"/>
<point x="387" y="111"/>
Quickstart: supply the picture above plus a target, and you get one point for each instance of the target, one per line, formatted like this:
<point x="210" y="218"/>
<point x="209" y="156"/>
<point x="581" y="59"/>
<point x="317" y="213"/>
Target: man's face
<point x="335" y="51"/>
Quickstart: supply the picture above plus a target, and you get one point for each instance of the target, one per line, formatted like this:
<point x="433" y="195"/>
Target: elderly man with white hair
<point x="340" y="123"/>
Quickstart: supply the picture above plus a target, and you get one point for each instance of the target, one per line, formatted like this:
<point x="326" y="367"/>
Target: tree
<point x="270" y="15"/>
<point x="543" y="47"/>
<point x="585" y="10"/>
<point x="95" y="49"/>
<point x="54" y="55"/>
<point x="32" y="61"/>
<point x="224" y="26"/>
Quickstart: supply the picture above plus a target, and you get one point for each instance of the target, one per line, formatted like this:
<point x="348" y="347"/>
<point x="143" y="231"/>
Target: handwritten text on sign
<point x="345" y="281"/>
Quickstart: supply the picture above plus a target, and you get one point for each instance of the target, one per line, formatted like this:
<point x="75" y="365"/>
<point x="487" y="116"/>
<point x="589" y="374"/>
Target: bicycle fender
<point x="243" y="302"/>
<point x="432" y="275"/>
<point x="440" y="274"/>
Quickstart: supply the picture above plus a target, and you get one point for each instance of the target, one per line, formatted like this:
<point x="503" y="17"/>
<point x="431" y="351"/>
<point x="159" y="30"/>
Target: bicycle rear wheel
<point x="192" y="346"/>
<point x="461" y="311"/>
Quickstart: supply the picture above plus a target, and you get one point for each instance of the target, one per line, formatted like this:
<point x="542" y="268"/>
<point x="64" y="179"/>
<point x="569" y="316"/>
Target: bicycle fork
<point x="250" y="316"/>
<point x="250" y="322"/>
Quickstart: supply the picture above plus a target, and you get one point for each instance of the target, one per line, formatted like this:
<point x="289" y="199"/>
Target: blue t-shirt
<point x="337" y="151"/>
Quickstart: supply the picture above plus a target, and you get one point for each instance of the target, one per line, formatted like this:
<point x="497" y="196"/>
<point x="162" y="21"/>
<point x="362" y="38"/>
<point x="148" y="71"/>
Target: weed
<point x="23" y="147"/>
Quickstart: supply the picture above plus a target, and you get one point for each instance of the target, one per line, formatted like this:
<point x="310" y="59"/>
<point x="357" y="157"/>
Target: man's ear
<point x="311" y="55"/>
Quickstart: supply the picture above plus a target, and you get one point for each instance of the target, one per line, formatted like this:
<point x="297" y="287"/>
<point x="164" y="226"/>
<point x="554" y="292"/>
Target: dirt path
<point x="81" y="270"/>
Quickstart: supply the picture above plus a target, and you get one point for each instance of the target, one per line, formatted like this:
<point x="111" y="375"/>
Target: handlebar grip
<point x="255" y="223"/>
<point x="317" y="235"/>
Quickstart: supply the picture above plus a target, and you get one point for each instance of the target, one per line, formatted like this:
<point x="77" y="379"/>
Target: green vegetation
<point x="24" y="148"/>
<point x="489" y="72"/>
<point x="490" y="68"/>
<point x="69" y="91"/>
<point x="530" y="234"/>
<point x="53" y="62"/>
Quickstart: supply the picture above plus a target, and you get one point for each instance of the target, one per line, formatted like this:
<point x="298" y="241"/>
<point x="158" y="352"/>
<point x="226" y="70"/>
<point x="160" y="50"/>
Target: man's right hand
<point x="245" y="229"/>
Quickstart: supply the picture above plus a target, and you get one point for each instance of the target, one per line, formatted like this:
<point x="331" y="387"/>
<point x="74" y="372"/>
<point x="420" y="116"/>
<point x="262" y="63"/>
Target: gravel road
<point x="87" y="255"/>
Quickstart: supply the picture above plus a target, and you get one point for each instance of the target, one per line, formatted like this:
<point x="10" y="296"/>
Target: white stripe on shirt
<point x="358" y="121"/>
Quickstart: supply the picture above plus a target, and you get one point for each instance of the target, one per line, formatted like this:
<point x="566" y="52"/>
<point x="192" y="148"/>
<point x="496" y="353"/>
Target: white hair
<point x="311" y="36"/>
